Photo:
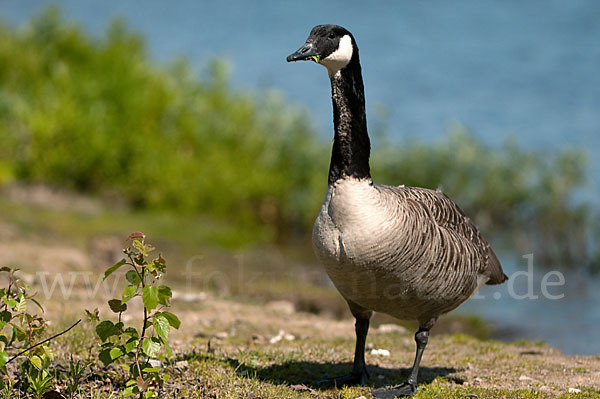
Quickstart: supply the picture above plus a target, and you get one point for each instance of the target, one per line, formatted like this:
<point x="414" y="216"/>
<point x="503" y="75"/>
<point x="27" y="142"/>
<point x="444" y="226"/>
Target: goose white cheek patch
<point x="340" y="57"/>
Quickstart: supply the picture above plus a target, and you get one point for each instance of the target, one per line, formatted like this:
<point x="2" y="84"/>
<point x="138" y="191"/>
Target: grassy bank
<point x="230" y="349"/>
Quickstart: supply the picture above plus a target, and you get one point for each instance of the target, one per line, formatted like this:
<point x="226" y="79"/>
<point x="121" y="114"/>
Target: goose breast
<point x="384" y="250"/>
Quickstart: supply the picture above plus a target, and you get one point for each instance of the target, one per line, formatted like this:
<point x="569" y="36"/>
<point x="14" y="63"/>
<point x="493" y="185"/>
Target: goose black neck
<point x="351" y="146"/>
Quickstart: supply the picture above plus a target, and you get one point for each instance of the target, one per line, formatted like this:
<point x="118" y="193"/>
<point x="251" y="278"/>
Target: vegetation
<point x="136" y="351"/>
<point x="174" y="150"/>
<point x="96" y="115"/>
<point x="21" y="331"/>
<point x="132" y="348"/>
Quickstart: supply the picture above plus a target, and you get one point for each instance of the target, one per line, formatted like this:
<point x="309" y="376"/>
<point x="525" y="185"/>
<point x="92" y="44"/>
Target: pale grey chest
<point x="350" y="236"/>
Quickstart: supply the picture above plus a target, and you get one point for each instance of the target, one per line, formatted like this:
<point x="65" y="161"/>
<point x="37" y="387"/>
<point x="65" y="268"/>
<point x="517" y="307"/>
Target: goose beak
<point x="304" y="53"/>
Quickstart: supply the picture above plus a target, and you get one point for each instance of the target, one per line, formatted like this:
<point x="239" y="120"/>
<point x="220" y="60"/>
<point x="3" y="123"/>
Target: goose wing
<point x="448" y="215"/>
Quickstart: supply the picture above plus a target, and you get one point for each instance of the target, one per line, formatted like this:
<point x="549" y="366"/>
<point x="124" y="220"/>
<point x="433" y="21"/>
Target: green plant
<point x="135" y="348"/>
<point x="19" y="329"/>
<point x="21" y="332"/>
<point x="37" y="370"/>
<point x="75" y="376"/>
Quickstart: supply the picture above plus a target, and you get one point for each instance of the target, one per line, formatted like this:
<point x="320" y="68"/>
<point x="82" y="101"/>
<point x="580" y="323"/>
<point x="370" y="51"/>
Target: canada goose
<point x="405" y="251"/>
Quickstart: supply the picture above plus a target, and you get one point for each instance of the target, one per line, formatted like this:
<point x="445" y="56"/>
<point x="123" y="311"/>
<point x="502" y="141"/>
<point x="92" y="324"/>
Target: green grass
<point x="233" y="368"/>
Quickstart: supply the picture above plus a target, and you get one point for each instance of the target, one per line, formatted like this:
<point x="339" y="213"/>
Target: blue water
<point x="532" y="304"/>
<point x="527" y="69"/>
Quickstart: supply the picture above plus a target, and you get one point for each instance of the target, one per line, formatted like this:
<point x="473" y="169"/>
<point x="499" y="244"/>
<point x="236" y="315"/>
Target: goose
<point x="408" y="252"/>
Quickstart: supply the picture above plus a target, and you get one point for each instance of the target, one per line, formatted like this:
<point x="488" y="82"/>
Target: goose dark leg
<point x="409" y="387"/>
<point x="359" y="374"/>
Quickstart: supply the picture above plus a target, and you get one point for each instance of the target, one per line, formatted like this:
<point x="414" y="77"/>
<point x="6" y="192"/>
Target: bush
<point x="132" y="348"/>
<point x="98" y="116"/>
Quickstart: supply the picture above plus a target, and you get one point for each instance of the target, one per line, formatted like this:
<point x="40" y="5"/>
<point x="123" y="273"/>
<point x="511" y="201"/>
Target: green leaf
<point x="18" y="332"/>
<point x="130" y="383"/>
<point x="151" y="370"/>
<point x="37" y="303"/>
<point x="133" y="277"/>
<point x="5" y="316"/>
<point x="113" y="268"/>
<point x="161" y="326"/>
<point x="3" y="358"/>
<point x="150" y="297"/>
<point x="131" y="344"/>
<point x="48" y="352"/>
<point x="143" y="249"/>
<point x="173" y="320"/>
<point x="115" y="353"/>
<point x="164" y="294"/>
<point x="36" y="361"/>
<point x="132" y="332"/>
<point x="106" y="329"/>
<point x="10" y="302"/>
<point x="21" y="305"/>
<point x="151" y="347"/>
<point x="117" y="306"/>
<point x="167" y="347"/>
<point x="105" y="357"/>
<point x="128" y="293"/>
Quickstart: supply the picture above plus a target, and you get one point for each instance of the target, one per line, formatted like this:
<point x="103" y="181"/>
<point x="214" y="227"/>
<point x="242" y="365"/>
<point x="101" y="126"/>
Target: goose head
<point x="329" y="45"/>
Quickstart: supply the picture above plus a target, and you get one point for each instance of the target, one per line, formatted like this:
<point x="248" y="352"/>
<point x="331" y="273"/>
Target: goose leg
<point x="409" y="387"/>
<point x="359" y="374"/>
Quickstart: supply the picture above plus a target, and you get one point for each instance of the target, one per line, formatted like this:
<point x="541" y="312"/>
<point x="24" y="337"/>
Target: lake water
<point x="527" y="69"/>
<point x="559" y="308"/>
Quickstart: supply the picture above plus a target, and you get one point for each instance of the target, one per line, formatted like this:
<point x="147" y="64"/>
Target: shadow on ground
<point x="308" y="373"/>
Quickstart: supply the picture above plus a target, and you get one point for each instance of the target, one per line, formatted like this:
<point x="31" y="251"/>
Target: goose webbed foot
<point x="404" y="390"/>
<point x="354" y="378"/>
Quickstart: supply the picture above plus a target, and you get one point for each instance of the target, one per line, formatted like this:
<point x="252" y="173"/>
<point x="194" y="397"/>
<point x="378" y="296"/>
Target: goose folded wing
<point x="448" y="215"/>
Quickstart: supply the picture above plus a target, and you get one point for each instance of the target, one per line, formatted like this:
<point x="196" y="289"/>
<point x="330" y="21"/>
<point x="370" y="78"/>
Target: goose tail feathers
<point x="494" y="270"/>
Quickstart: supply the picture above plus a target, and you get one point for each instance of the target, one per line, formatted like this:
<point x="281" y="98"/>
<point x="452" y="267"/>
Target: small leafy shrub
<point x="19" y="332"/>
<point x="37" y="370"/>
<point x="135" y="348"/>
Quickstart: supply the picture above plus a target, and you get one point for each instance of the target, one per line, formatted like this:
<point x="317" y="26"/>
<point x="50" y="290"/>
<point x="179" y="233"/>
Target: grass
<point x="243" y="366"/>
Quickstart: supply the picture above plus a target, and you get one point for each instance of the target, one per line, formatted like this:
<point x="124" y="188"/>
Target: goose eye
<point x="331" y="36"/>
